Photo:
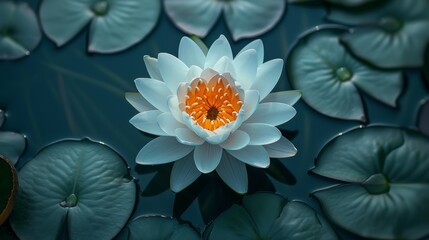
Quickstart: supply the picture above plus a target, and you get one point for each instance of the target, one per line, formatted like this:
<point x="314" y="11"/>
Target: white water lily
<point x="244" y="18"/>
<point x="213" y="112"/>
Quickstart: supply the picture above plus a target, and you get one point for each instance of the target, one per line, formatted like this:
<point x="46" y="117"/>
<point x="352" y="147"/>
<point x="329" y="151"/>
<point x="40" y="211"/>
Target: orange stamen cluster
<point x="212" y="104"/>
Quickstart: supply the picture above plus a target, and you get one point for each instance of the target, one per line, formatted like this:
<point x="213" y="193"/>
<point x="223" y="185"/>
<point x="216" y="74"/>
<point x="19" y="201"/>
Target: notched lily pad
<point x="115" y="24"/>
<point x="387" y="182"/>
<point x="344" y="3"/>
<point x="12" y="144"/>
<point x="79" y="188"/>
<point x="270" y="216"/>
<point x="391" y="35"/>
<point x="423" y="117"/>
<point x="158" y="227"/>
<point x="8" y="188"/>
<point x="329" y="77"/>
<point x="19" y="30"/>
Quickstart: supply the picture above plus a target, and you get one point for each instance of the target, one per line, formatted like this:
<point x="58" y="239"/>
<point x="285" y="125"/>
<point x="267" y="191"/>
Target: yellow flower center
<point x="214" y="103"/>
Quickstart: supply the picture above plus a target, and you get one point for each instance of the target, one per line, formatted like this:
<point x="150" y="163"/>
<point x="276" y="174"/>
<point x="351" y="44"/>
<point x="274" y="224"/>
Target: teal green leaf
<point x="8" y="188"/>
<point x="423" y="117"/>
<point x="350" y="3"/>
<point x="426" y="66"/>
<point x="2" y="117"/>
<point x="329" y="77"/>
<point x="80" y="187"/>
<point x="158" y="227"/>
<point x="115" y="24"/>
<point x="270" y="216"/>
<point x="391" y="35"/>
<point x="12" y="145"/>
<point x="19" y="30"/>
<point x="387" y="185"/>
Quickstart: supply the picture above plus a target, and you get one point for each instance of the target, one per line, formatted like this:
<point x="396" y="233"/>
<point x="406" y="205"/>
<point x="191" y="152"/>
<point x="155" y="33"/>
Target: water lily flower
<point x="244" y="18"/>
<point x="212" y="112"/>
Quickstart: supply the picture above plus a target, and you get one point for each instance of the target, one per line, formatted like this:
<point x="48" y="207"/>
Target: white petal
<point x="193" y="16"/>
<point x="138" y="102"/>
<point x="186" y="136"/>
<point x="283" y="148"/>
<point x="224" y="65"/>
<point x="208" y="74"/>
<point x="258" y="45"/>
<point x="255" y="156"/>
<point x="147" y="122"/>
<point x="245" y="66"/>
<point x="183" y="173"/>
<point x="154" y="91"/>
<point x="286" y="97"/>
<point x="182" y="90"/>
<point x="162" y="150"/>
<point x="233" y="172"/>
<point x="152" y="67"/>
<point x="220" y="48"/>
<point x="267" y="77"/>
<point x="207" y="157"/>
<point x="173" y="105"/>
<point x="272" y="113"/>
<point x="218" y="137"/>
<point x="168" y="123"/>
<point x="236" y="141"/>
<point x="260" y="133"/>
<point x="251" y="102"/>
<point x="197" y="129"/>
<point x="190" y="53"/>
<point x="251" y="18"/>
<point x="194" y="72"/>
<point x="173" y="71"/>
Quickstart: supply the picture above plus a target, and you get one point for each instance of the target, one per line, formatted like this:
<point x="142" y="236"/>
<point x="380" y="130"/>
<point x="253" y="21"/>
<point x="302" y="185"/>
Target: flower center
<point x="214" y="103"/>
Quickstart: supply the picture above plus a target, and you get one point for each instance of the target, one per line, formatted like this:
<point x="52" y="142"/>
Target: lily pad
<point x="391" y="35"/>
<point x="244" y="18"/>
<point x="386" y="190"/>
<point x="19" y="30"/>
<point x="270" y="216"/>
<point x="344" y="3"/>
<point x="329" y="77"/>
<point x="115" y="24"/>
<point x="426" y="66"/>
<point x="158" y="227"/>
<point x="12" y="145"/>
<point x="423" y="117"/>
<point x="8" y="188"/>
<point x="78" y="188"/>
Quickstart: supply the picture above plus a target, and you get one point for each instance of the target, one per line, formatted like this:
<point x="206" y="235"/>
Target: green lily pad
<point x="158" y="227"/>
<point x="329" y="77"/>
<point x="8" y="188"/>
<point x="423" y="117"/>
<point x="386" y="193"/>
<point x="79" y="188"/>
<point x="19" y="30"/>
<point x="344" y="3"/>
<point x="426" y="66"/>
<point x="12" y="145"/>
<point x="270" y="216"/>
<point x="391" y="35"/>
<point x="115" y="24"/>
